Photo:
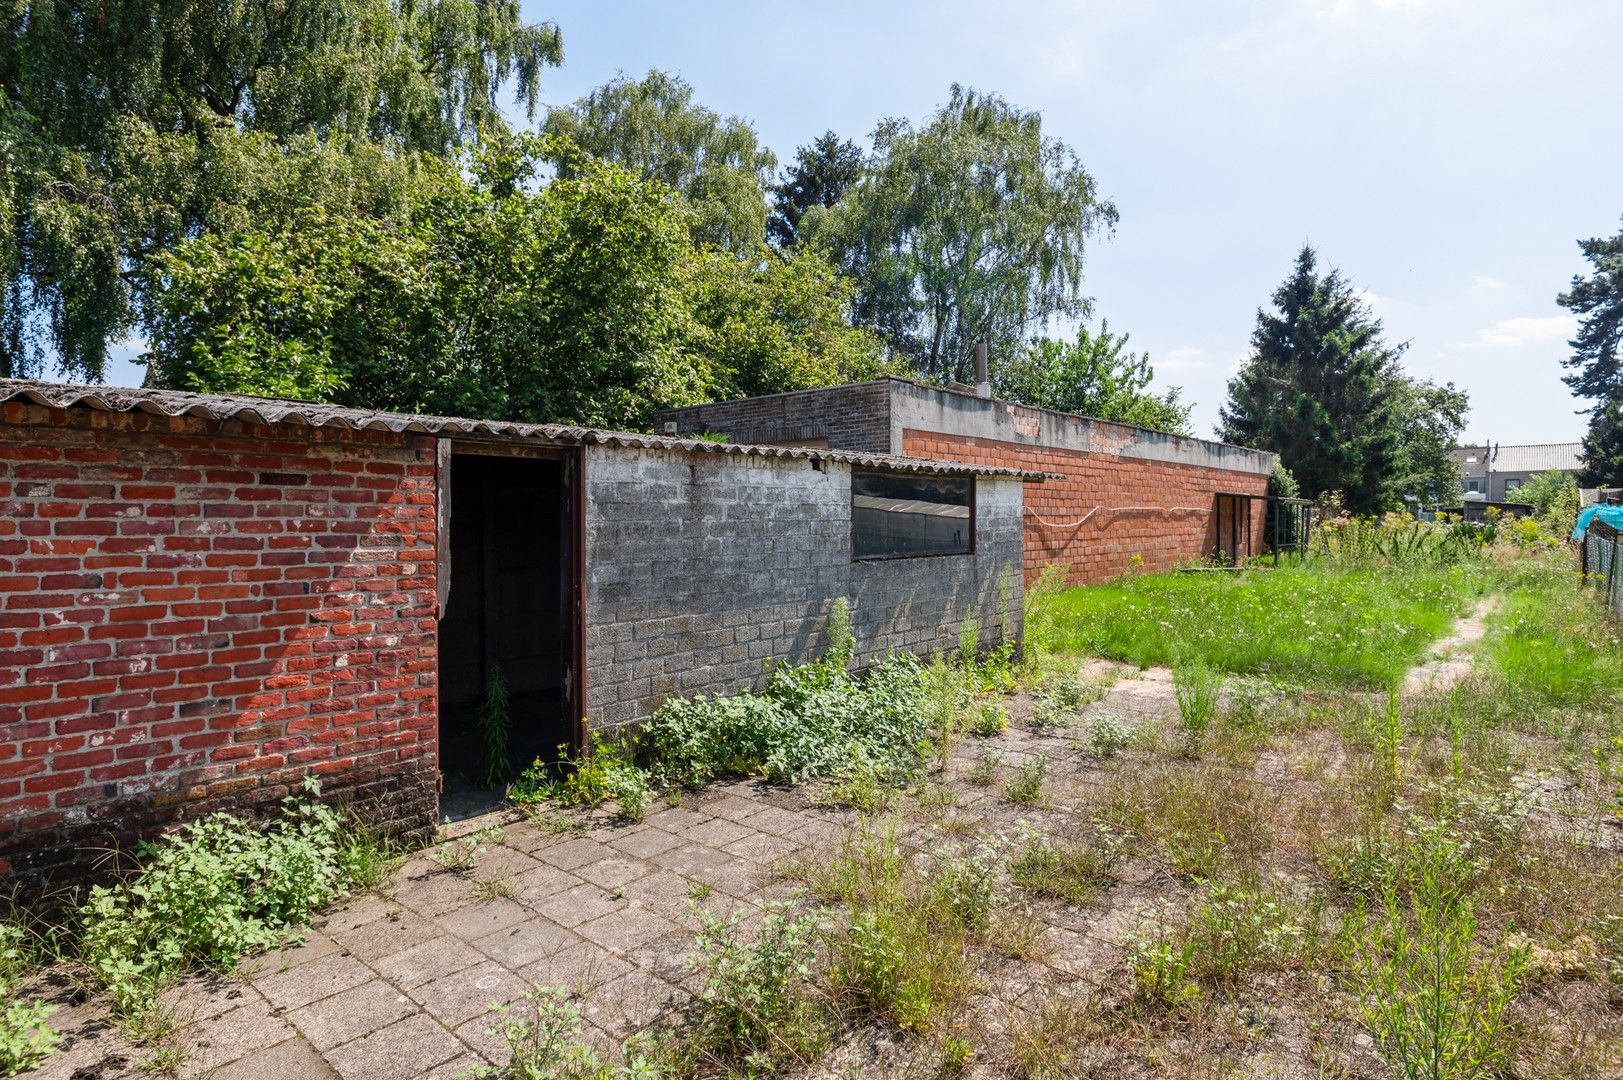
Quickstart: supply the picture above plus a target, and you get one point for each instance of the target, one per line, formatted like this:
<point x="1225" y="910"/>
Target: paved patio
<point x="404" y="982"/>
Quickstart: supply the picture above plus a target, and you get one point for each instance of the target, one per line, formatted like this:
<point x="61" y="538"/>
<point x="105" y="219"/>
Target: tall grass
<point x="1315" y="624"/>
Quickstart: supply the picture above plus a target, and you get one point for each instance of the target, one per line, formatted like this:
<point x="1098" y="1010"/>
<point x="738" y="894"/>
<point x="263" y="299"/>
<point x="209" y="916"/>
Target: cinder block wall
<point x="700" y="567"/>
<point x="852" y="417"/>
<point x="196" y="615"/>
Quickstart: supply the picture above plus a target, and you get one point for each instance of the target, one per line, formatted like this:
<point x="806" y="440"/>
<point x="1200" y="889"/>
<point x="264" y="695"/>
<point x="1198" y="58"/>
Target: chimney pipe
<point x="983" y="382"/>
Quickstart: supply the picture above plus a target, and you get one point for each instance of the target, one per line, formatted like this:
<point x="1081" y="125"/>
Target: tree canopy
<point x="820" y="175"/>
<point x="973" y="226"/>
<point x="1596" y="362"/>
<point x="583" y="301"/>
<point x="1324" y="391"/>
<point x="654" y="128"/>
<point x="128" y="127"/>
<point x="1095" y="376"/>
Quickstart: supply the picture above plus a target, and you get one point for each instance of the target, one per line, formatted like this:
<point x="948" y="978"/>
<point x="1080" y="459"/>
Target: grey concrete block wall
<point x="701" y="567"/>
<point x="855" y="416"/>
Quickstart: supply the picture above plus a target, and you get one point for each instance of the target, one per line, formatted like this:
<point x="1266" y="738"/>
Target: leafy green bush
<point x="810" y="721"/>
<point x="209" y="894"/>
<point x="25" y="1038"/>
<point x="1108" y="735"/>
<point x="544" y="1042"/>
<point x="758" y="1005"/>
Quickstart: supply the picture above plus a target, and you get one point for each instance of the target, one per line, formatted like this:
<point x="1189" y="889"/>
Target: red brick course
<point x="1108" y="508"/>
<point x="197" y="615"/>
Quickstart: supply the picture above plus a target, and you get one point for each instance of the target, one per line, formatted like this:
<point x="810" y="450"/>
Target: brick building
<point x="1119" y="491"/>
<point x="204" y="599"/>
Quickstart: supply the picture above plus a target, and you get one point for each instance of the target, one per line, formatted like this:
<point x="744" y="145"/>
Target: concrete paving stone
<point x="732" y="807"/>
<point x="612" y="873"/>
<point x="356" y="911"/>
<point x="203" y="997"/>
<point x="778" y="821"/>
<point x="358" y="1011"/>
<point x="577" y="968"/>
<point x="762" y="847"/>
<point x="292" y="1059"/>
<point x="541" y="884"/>
<point x="631" y="1002"/>
<point x="483" y="1034"/>
<point x="388" y="935"/>
<point x="483" y="918"/>
<point x="648" y="842"/>
<point x="718" y="832"/>
<point x="577" y="905"/>
<point x="670" y="957"/>
<point x="527" y="837"/>
<point x="428" y="960"/>
<point x="525" y="943"/>
<point x="500" y="860"/>
<point x="315" y="945"/>
<point x="435" y="892"/>
<point x="689" y="859"/>
<point x="572" y="853"/>
<point x="298" y="986"/>
<point x="677" y="819"/>
<point x="406" y="1048"/>
<point x="472" y="992"/>
<point x="666" y="892"/>
<point x="458" y="1068"/>
<point x="625" y="929"/>
<point x="223" y="1039"/>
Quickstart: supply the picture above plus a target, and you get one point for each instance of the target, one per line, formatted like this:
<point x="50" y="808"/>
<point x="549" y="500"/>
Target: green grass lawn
<point x="1551" y="645"/>
<point x="1320" y="627"/>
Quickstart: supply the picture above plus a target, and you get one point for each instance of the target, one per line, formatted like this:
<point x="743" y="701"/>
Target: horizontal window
<point x="893" y="516"/>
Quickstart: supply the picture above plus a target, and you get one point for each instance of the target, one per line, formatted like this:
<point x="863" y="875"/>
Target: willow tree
<point x="974" y="225"/>
<point x="128" y="126"/>
<point x="654" y="128"/>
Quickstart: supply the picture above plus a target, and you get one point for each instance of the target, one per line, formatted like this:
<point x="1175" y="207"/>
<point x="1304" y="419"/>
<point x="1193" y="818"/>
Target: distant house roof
<point x="309" y="414"/>
<point x="1528" y="458"/>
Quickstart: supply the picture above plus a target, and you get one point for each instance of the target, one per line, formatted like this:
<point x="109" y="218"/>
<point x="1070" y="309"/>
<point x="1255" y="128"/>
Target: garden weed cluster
<point x="26" y="1038"/>
<point x="209" y="894"/>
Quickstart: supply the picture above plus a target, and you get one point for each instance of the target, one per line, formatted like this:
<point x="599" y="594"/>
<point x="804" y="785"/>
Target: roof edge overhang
<point x="271" y="411"/>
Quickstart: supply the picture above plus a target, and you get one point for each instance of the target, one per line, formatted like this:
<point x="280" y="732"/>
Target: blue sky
<point x="1446" y="154"/>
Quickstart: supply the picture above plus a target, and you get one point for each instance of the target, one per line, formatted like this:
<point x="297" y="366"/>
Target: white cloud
<point x="1372" y="299"/>
<point x="1183" y="358"/>
<point x="1523" y="331"/>
<point x="1482" y="285"/>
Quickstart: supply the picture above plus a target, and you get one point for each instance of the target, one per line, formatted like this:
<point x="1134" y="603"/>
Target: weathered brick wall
<point x="699" y="567"/>
<point x="852" y="417"/>
<point x="1108" y="508"/>
<point x="196" y="615"/>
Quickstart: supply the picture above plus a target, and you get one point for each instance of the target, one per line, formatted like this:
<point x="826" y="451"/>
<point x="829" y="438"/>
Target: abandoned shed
<point x="205" y="598"/>
<point x="1118" y="491"/>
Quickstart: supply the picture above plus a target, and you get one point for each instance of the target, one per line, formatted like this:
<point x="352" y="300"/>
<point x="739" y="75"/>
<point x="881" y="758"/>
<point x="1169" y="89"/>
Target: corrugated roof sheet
<point x="277" y="411"/>
<point x="1528" y="457"/>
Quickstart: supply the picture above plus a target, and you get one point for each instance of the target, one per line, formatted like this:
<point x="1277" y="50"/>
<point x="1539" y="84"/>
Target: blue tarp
<point x="1611" y="515"/>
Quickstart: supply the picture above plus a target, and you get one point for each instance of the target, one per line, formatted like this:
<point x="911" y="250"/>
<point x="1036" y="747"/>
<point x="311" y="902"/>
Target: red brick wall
<point x="1095" y="519"/>
<point x="196" y="615"/>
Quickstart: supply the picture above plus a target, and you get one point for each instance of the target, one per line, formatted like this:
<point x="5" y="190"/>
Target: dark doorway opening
<point x="511" y="614"/>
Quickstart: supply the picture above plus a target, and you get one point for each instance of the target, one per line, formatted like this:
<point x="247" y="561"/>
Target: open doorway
<point x="510" y="621"/>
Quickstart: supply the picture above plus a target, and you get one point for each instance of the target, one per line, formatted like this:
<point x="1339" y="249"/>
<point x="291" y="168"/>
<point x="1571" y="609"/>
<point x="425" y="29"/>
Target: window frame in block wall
<point x="936" y="489"/>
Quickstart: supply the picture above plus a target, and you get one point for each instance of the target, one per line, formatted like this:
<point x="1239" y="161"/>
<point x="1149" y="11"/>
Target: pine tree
<point x="1320" y="390"/>
<point x="820" y="174"/>
<point x="1603" y="447"/>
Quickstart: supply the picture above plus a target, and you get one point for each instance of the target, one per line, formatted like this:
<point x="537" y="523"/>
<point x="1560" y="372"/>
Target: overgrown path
<point x="1451" y="657"/>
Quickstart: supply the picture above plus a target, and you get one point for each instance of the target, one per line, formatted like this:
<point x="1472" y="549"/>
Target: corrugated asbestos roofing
<point x="277" y="411"/>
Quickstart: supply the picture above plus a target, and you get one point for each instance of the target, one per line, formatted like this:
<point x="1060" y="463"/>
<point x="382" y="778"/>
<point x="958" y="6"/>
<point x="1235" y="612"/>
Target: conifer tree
<point x="1597" y="358"/>
<point x="1321" y="389"/>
